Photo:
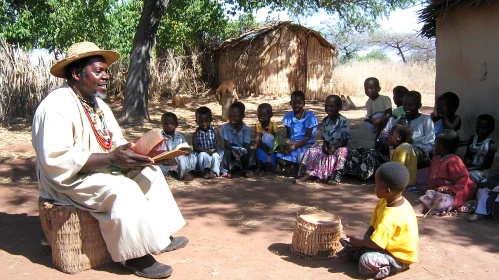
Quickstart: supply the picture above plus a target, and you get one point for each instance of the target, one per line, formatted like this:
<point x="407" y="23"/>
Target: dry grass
<point x="349" y="78"/>
<point x="22" y="84"/>
<point x="169" y="75"/>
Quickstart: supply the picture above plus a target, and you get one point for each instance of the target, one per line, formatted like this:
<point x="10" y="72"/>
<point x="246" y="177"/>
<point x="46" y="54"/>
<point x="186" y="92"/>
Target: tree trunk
<point x="401" y="52"/>
<point x="135" y="108"/>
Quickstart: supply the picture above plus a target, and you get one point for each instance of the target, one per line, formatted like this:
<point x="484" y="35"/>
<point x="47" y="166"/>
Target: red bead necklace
<point x="102" y="136"/>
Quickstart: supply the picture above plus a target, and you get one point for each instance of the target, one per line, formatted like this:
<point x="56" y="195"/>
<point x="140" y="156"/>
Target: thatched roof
<point x="435" y="8"/>
<point x="266" y="28"/>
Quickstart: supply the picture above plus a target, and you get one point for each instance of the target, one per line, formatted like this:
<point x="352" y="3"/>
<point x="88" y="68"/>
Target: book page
<point x="182" y="146"/>
<point x="170" y="155"/>
<point x="147" y="142"/>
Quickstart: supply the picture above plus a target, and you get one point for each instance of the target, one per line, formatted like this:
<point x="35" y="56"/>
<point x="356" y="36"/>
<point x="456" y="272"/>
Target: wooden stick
<point x="433" y="205"/>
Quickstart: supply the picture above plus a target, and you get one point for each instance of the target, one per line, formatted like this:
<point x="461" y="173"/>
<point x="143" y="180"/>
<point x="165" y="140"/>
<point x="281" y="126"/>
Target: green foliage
<point x="373" y="55"/>
<point x="56" y="24"/>
<point x="190" y="22"/>
<point x="360" y="15"/>
<point x="123" y="21"/>
<point x="241" y="25"/>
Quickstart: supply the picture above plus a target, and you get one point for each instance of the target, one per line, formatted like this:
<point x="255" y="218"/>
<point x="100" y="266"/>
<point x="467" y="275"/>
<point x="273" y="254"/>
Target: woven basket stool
<point x="317" y="235"/>
<point x="74" y="237"/>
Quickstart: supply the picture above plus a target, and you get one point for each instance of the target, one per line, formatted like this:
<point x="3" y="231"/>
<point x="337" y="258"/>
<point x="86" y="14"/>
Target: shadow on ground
<point x="21" y="234"/>
<point x="255" y="205"/>
<point x="333" y="265"/>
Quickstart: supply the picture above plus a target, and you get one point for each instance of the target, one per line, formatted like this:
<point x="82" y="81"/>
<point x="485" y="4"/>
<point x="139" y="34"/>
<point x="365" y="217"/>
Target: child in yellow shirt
<point x="390" y="244"/>
<point x="400" y="138"/>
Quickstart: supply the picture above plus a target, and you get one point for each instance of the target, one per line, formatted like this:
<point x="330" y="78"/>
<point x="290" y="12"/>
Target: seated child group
<point x="412" y="151"/>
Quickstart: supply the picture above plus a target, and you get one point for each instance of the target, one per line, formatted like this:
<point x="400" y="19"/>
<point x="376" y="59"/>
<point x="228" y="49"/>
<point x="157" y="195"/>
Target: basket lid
<point x="320" y="218"/>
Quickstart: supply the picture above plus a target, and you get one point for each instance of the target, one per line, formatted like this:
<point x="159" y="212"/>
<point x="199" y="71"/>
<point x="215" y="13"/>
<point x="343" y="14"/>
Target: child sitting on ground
<point x="449" y="184"/>
<point x="301" y="127"/>
<point x="207" y="144"/>
<point x="236" y="136"/>
<point x="400" y="138"/>
<point x="183" y="165"/>
<point x="481" y="149"/>
<point x="487" y="199"/>
<point x="326" y="161"/>
<point x="398" y="98"/>
<point x="266" y="131"/>
<point x="381" y="144"/>
<point x="379" y="107"/>
<point x="446" y="118"/>
<point x="422" y="126"/>
<point x="390" y="244"/>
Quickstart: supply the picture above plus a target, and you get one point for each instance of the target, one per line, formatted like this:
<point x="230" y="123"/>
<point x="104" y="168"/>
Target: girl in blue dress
<point x="301" y="127"/>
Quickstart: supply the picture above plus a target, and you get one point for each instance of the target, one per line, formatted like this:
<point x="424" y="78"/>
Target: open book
<point x="182" y="149"/>
<point x="152" y="144"/>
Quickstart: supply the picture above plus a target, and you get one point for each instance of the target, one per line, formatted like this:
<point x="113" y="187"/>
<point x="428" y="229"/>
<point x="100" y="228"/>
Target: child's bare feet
<point x="419" y="210"/>
<point x="248" y="173"/>
<point x="303" y="178"/>
<point x="208" y="174"/>
<point x="188" y="176"/>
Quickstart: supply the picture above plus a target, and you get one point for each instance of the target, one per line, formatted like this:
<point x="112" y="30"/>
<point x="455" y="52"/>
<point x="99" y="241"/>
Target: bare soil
<point x="241" y="228"/>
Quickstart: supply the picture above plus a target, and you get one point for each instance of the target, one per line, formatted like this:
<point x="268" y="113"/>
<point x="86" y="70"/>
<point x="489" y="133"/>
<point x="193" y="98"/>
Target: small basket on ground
<point x="317" y="235"/>
<point x="74" y="237"/>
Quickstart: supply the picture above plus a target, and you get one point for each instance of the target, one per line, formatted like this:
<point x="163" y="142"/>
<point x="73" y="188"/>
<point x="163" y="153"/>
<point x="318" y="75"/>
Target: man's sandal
<point x="147" y="267"/>
<point x="176" y="243"/>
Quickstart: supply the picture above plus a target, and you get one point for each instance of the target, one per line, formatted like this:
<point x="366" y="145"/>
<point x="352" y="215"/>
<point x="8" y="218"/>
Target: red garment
<point x="450" y="172"/>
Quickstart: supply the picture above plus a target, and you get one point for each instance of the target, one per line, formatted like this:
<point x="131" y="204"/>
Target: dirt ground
<point x="241" y="228"/>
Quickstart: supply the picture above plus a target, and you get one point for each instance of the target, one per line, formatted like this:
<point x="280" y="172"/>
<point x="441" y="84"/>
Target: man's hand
<point x="124" y="157"/>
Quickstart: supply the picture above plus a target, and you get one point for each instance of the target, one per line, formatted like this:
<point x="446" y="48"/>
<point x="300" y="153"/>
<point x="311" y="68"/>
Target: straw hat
<point x="81" y="50"/>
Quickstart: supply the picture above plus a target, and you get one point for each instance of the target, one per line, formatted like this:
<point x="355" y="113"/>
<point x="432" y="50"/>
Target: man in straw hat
<point x="83" y="160"/>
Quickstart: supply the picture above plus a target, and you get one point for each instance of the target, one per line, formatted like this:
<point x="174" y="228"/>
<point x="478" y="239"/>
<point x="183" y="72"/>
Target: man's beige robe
<point x="136" y="210"/>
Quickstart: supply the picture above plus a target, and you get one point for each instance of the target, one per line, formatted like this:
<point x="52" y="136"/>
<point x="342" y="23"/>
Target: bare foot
<point x="419" y="209"/>
<point x="206" y="173"/>
<point x="188" y="177"/>
<point x="303" y="178"/>
<point x="248" y="174"/>
<point x="333" y="182"/>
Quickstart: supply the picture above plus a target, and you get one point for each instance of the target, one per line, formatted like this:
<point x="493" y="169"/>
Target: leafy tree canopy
<point x="55" y="24"/>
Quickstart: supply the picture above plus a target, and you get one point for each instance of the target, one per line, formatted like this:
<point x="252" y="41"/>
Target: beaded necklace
<point x="97" y="122"/>
<point x="391" y="203"/>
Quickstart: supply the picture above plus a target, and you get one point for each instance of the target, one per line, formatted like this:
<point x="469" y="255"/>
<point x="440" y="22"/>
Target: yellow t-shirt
<point x="396" y="230"/>
<point x="272" y="129"/>
<point x="405" y="154"/>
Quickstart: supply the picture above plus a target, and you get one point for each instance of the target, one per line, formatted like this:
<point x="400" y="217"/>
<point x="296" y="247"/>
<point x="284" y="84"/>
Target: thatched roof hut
<point x="467" y="62"/>
<point x="276" y="59"/>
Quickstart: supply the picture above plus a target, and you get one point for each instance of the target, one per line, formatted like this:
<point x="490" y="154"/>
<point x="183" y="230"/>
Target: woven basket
<point x="317" y="235"/>
<point x="74" y="236"/>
